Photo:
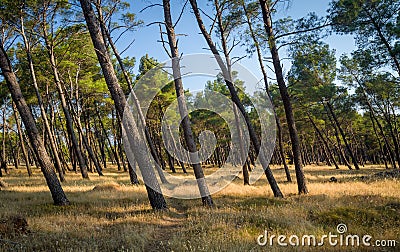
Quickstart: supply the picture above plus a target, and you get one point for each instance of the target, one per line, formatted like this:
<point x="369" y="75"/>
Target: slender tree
<point x="38" y="146"/>
<point x="265" y="78"/>
<point x="49" y="44"/>
<point x="156" y="198"/>
<point x="296" y="151"/>
<point x="235" y="98"/>
<point x="183" y="110"/>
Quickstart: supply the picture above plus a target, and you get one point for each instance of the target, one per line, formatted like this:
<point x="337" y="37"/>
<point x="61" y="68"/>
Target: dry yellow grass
<point x="117" y="216"/>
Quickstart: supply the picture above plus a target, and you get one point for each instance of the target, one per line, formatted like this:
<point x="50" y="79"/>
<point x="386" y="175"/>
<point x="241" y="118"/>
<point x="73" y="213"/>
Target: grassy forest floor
<point x="116" y="216"/>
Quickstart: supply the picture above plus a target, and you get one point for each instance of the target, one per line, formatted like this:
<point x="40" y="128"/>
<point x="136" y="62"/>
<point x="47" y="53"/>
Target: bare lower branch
<point x="303" y="31"/>
<point x="126" y="48"/>
<point x="156" y="22"/>
<point x="181" y="14"/>
<point x="164" y="42"/>
<point x="237" y="59"/>
<point x="150" y="6"/>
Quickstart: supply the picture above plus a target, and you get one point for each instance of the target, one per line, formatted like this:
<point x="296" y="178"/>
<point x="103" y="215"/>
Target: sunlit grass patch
<point x="118" y="217"/>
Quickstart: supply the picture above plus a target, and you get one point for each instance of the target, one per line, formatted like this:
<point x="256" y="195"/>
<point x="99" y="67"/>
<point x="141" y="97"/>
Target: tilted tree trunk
<point x="37" y="143"/>
<point x="183" y="110"/>
<point x="132" y="173"/>
<point x="101" y="142"/>
<point x="235" y="98"/>
<point x="246" y="178"/>
<point x="301" y="179"/>
<point x="22" y="141"/>
<point x="68" y="118"/>
<point x="265" y="77"/>
<point x="374" y="119"/>
<point x="40" y="102"/>
<point x="107" y="38"/>
<point x="393" y="134"/>
<point x="332" y="158"/>
<point x="352" y="156"/>
<point x="175" y="148"/>
<point x="112" y="150"/>
<point x="380" y="143"/>
<point x="78" y="124"/>
<point x="156" y="198"/>
<point x="242" y="154"/>
<point x="338" y="145"/>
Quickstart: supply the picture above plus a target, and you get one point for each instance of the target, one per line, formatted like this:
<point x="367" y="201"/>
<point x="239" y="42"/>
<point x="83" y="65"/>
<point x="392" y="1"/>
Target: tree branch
<point x="181" y="14"/>
<point x="302" y="31"/>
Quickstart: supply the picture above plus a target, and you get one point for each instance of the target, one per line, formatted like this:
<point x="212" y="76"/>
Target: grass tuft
<point x="108" y="214"/>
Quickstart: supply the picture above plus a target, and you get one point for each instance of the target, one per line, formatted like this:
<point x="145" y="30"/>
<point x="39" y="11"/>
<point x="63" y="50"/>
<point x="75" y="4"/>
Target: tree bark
<point x="89" y="149"/>
<point x="186" y="124"/>
<point x="3" y="146"/>
<point x="379" y="141"/>
<point x="393" y="135"/>
<point x="156" y="198"/>
<point x="235" y="98"/>
<point x="43" y="158"/>
<point x="107" y="37"/>
<point x="40" y="102"/>
<point x="113" y="151"/>
<point x="246" y="178"/>
<point x="265" y="77"/>
<point x="175" y="148"/>
<point x="301" y="179"/>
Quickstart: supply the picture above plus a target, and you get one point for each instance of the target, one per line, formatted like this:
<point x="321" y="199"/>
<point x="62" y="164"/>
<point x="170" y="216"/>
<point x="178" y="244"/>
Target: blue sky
<point x="192" y="42"/>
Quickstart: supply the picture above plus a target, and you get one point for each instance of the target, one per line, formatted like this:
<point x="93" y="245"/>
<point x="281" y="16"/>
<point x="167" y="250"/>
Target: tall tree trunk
<point x="379" y="141"/>
<point x="246" y="178"/>
<point x="186" y="125"/>
<point x="156" y="198"/>
<point x="373" y="118"/>
<point x="107" y="38"/>
<point x="43" y="158"/>
<point x="68" y="119"/>
<point x="89" y="149"/>
<point x="343" y="159"/>
<point x="301" y="179"/>
<point x="175" y="148"/>
<point x="392" y="134"/>
<point x="113" y="151"/>
<point x="242" y="154"/>
<point x="265" y="77"/>
<point x="40" y="102"/>
<point x="235" y="98"/>
<point x="132" y="173"/>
